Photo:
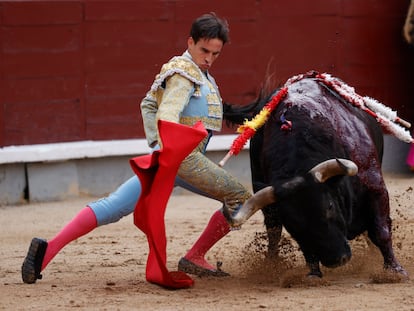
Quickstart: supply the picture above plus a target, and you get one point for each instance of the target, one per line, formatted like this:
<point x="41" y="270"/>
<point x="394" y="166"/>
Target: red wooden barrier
<point x="77" y="70"/>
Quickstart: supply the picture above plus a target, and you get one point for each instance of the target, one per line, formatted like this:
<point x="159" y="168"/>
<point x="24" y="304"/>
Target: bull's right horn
<point x="333" y="167"/>
<point x="259" y="200"/>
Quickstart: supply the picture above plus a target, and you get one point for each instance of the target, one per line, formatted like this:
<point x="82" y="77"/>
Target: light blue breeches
<point x="122" y="201"/>
<point x="119" y="203"/>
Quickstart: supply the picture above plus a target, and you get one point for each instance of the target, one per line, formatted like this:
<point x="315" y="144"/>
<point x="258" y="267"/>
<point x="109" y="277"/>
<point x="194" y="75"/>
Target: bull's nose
<point x="336" y="262"/>
<point x="344" y="259"/>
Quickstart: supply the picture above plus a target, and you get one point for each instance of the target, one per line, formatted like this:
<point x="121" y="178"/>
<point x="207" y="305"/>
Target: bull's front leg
<point x="273" y="236"/>
<point x="380" y="232"/>
<point x="381" y="236"/>
<point x="312" y="262"/>
<point x="274" y="230"/>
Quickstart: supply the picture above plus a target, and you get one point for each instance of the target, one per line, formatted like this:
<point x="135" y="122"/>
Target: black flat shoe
<point x="187" y="266"/>
<point x="32" y="264"/>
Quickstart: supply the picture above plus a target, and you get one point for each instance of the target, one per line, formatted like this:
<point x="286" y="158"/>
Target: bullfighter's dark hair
<point x="210" y="26"/>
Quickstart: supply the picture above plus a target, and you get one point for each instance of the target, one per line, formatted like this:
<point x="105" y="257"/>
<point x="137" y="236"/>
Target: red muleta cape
<point x="157" y="172"/>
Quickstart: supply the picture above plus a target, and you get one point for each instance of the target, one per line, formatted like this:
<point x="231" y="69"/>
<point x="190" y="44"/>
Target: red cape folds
<point x="157" y="172"/>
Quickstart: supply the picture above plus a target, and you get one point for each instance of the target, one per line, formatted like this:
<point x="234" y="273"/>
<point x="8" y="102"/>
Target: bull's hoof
<point x="392" y="273"/>
<point x="396" y="268"/>
<point x="314" y="274"/>
<point x="315" y="271"/>
<point x="292" y="280"/>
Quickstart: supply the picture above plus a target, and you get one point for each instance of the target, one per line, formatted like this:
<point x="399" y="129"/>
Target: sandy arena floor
<point x="105" y="270"/>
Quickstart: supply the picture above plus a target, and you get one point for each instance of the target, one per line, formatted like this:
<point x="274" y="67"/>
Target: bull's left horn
<point x="259" y="200"/>
<point x="333" y="167"/>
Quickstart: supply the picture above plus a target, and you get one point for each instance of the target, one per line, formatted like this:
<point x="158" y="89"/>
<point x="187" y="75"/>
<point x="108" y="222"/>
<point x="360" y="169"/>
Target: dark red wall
<point x="77" y="70"/>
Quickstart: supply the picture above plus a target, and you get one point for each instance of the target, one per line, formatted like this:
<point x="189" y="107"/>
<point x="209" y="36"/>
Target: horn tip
<point x="350" y="166"/>
<point x="318" y="177"/>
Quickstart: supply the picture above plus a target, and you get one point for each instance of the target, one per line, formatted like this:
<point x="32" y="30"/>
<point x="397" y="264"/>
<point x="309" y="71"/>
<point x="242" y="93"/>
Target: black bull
<point x="310" y="126"/>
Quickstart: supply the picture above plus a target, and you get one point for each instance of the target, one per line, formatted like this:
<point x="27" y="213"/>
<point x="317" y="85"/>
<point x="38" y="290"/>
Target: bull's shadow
<point x="316" y="171"/>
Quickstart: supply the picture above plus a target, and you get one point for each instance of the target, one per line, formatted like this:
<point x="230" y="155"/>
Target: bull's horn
<point x="259" y="200"/>
<point x="333" y="167"/>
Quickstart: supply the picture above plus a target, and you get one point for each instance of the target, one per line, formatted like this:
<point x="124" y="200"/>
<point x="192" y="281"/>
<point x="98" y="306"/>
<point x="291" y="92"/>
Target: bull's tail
<point x="236" y="115"/>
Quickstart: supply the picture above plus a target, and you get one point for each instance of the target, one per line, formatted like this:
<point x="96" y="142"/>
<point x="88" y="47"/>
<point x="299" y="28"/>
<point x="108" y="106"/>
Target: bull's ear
<point x="290" y="187"/>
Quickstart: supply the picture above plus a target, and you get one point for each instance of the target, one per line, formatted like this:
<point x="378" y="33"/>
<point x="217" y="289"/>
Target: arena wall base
<point x="52" y="181"/>
<point x="97" y="177"/>
<point x="12" y="183"/>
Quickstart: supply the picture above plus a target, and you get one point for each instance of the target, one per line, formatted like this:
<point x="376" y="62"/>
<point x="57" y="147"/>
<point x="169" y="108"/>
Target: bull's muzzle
<point x="320" y="172"/>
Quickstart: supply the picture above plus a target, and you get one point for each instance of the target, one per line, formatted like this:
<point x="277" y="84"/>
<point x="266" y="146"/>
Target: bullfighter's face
<point x="205" y="51"/>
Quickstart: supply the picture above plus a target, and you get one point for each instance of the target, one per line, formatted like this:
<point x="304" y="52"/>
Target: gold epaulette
<point x="181" y="65"/>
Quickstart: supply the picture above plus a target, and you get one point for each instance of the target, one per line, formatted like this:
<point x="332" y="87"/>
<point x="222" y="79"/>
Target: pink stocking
<point x="81" y="224"/>
<point x="216" y="229"/>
